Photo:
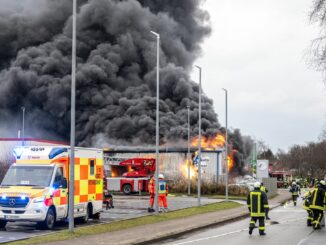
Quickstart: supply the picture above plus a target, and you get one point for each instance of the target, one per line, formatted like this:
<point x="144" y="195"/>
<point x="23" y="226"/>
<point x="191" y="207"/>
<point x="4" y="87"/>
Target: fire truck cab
<point x="35" y="188"/>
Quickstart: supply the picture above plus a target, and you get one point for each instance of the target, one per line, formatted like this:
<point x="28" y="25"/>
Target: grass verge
<point x="125" y="224"/>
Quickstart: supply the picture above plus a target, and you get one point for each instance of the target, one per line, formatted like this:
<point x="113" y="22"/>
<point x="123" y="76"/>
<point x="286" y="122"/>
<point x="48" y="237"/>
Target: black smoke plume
<point x="116" y="79"/>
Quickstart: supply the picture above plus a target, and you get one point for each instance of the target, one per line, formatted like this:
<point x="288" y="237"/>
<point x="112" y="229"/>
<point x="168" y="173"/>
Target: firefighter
<point x="265" y="190"/>
<point x="318" y="204"/>
<point x="151" y="189"/>
<point x="295" y="190"/>
<point x="163" y="192"/>
<point x="257" y="202"/>
<point x="108" y="200"/>
<point x="306" y="206"/>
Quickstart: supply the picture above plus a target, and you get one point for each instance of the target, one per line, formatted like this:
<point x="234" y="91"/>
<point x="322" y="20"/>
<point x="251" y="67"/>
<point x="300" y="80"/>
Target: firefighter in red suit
<point x="151" y="189"/>
<point x="163" y="192"/>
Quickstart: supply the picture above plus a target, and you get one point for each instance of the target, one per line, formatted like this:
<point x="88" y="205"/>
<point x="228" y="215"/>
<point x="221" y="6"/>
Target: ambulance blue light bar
<point x="57" y="151"/>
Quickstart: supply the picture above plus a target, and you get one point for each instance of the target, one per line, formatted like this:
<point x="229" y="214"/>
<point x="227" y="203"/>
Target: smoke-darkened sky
<point x="116" y="86"/>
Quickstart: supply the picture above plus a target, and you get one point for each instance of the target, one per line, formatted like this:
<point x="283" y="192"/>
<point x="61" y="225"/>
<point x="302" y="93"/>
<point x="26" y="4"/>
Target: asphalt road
<point x="288" y="226"/>
<point x="126" y="207"/>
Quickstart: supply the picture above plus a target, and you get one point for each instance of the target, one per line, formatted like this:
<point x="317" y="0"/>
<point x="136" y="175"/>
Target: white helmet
<point x="293" y="183"/>
<point x="161" y="176"/>
<point x="323" y="182"/>
<point x="257" y="184"/>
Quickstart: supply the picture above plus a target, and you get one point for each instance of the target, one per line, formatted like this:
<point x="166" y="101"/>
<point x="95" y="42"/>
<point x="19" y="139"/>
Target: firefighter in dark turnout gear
<point x="295" y="190"/>
<point x="318" y="204"/>
<point x="264" y="189"/>
<point x="306" y="206"/>
<point x="257" y="202"/>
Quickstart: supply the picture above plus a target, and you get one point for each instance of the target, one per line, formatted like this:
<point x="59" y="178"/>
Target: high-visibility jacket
<point x="307" y="200"/>
<point x="151" y="186"/>
<point x="257" y="203"/>
<point x="162" y="187"/>
<point x="295" y="190"/>
<point x="318" y="200"/>
<point x="264" y="189"/>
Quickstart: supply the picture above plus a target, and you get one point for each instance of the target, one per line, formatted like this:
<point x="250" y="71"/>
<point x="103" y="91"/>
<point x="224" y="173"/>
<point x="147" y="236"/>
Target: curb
<point x="230" y="219"/>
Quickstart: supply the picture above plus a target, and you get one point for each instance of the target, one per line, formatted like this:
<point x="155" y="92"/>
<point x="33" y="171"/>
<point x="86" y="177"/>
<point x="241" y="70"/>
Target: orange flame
<point x="230" y="162"/>
<point x="184" y="170"/>
<point x="213" y="142"/>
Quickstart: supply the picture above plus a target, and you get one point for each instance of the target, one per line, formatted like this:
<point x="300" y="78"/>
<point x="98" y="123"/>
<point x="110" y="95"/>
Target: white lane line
<point x="233" y="232"/>
<point x="304" y="240"/>
<point x="207" y="238"/>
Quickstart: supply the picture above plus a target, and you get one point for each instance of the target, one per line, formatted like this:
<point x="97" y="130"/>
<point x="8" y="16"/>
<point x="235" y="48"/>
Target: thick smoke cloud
<point x="116" y="78"/>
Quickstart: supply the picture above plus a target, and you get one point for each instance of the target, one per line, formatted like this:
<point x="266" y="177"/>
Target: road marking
<point x="303" y="241"/>
<point x="207" y="238"/>
<point x="233" y="232"/>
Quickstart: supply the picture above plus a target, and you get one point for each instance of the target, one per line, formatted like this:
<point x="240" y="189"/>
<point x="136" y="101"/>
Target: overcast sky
<point x="257" y="51"/>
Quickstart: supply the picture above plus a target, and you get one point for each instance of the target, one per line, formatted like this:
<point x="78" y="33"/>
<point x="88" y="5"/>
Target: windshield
<point x="28" y="176"/>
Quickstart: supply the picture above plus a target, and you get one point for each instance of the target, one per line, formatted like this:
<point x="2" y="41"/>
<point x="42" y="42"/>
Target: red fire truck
<point x="129" y="175"/>
<point x="283" y="178"/>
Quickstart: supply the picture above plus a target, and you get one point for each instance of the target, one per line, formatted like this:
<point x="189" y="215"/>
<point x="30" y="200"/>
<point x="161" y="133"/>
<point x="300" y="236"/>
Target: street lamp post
<point x="72" y="122"/>
<point x="23" y="129"/>
<point x="226" y="147"/>
<point x="188" y="157"/>
<point x="199" y="138"/>
<point x="157" y="116"/>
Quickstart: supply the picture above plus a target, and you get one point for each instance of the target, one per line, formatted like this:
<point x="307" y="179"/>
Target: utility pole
<point x="188" y="156"/>
<point x="157" y="116"/>
<point x="226" y="147"/>
<point x="199" y="138"/>
<point x="72" y="122"/>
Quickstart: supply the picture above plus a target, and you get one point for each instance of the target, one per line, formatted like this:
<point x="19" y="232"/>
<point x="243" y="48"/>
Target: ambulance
<point x="35" y="188"/>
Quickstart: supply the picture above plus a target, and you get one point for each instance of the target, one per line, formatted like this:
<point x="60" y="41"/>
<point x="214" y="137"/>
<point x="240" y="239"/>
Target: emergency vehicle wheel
<point x="49" y="221"/>
<point x="88" y="214"/>
<point x="3" y="223"/>
<point x="126" y="189"/>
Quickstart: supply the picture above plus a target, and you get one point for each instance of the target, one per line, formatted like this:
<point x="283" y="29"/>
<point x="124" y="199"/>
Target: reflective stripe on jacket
<point x="257" y="202"/>
<point x="295" y="190"/>
<point x="318" y="199"/>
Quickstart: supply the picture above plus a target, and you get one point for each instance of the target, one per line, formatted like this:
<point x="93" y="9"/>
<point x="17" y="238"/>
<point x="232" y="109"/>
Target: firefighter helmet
<point x="293" y="183"/>
<point x="161" y="176"/>
<point x="323" y="182"/>
<point x="257" y="184"/>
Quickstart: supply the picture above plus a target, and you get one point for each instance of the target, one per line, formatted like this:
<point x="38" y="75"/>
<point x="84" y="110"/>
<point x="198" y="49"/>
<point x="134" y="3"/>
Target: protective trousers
<point x="317" y="217"/>
<point x="151" y="200"/>
<point x="294" y="198"/>
<point x="310" y="217"/>
<point x="261" y="221"/>
<point x="162" y="201"/>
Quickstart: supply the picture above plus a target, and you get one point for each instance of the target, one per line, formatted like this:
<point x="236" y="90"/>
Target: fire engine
<point x="35" y="188"/>
<point x="283" y="178"/>
<point x="130" y="175"/>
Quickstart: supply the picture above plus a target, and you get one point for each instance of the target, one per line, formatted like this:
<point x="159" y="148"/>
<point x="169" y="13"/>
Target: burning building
<point x="173" y="162"/>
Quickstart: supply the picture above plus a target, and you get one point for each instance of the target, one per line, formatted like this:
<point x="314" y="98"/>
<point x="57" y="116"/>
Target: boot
<point x="250" y="230"/>
<point x="262" y="233"/>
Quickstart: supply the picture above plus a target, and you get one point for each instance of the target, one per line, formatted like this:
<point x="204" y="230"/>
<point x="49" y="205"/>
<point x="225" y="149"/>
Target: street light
<point x="199" y="137"/>
<point x="23" y="129"/>
<point x="157" y="116"/>
<point x="226" y="147"/>
<point x="188" y="156"/>
<point x="72" y="122"/>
